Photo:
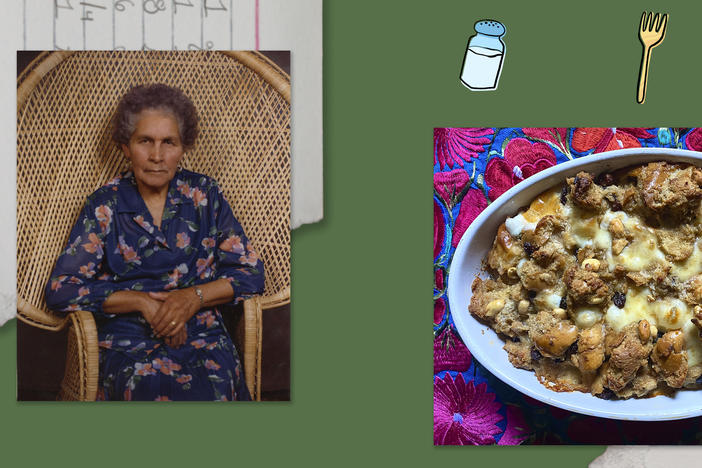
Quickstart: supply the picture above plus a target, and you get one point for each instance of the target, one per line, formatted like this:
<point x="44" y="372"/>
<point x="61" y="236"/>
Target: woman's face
<point x="154" y="149"/>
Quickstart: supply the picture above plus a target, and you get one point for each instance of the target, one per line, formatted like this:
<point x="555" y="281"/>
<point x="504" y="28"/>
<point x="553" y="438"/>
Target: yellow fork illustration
<point x="651" y="33"/>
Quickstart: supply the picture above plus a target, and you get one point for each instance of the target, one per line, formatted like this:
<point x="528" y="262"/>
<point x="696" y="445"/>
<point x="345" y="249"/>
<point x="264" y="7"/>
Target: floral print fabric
<point x="472" y="167"/>
<point x="115" y="246"/>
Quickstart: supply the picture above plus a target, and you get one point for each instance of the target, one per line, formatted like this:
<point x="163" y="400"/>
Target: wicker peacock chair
<point x="64" y="152"/>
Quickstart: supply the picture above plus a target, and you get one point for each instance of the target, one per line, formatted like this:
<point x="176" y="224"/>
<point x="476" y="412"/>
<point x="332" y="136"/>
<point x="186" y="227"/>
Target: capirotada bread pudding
<point x="597" y="285"/>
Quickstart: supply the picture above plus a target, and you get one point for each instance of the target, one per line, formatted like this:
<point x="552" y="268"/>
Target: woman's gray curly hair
<point x="159" y="97"/>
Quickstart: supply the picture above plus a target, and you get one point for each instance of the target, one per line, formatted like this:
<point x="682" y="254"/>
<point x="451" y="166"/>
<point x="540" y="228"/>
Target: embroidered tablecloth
<point x="472" y="167"/>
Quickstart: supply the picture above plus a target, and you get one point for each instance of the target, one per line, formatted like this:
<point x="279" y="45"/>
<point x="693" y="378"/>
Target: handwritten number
<point x="176" y="4"/>
<point x="119" y="4"/>
<point x="221" y="7"/>
<point x="67" y="6"/>
<point x="209" y="45"/>
<point x="154" y="6"/>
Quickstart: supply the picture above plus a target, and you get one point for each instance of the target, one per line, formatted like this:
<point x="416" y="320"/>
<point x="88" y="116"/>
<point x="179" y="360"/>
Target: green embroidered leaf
<point x="148" y="252"/>
<point x="192" y="226"/>
<point x="143" y="241"/>
<point x="137" y="287"/>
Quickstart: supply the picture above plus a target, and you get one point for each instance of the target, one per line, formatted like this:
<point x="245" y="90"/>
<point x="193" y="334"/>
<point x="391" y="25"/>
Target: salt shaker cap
<point x="490" y="28"/>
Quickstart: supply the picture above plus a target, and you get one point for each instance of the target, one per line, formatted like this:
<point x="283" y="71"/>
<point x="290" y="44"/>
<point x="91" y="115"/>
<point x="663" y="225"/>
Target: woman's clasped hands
<point x="168" y="312"/>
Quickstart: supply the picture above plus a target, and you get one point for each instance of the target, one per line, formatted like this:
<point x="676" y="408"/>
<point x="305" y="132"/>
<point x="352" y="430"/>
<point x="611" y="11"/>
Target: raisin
<point x="514" y="339"/>
<point x="619" y="299"/>
<point x="529" y="248"/>
<point x="564" y="194"/>
<point x="582" y="185"/>
<point x="573" y="348"/>
<point x="564" y="303"/>
<point x="616" y="206"/>
<point x="532" y="294"/>
<point x="605" y="179"/>
<point x="535" y="354"/>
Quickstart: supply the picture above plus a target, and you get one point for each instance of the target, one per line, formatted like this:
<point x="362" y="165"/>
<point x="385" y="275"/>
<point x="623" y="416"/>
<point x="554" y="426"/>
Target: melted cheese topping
<point x="642" y="251"/>
<point x="547" y="203"/>
<point x="665" y="314"/>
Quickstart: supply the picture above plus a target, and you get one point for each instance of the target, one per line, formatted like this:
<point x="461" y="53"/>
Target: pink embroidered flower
<point x="517" y="429"/>
<point x="471" y="206"/>
<point x="439" y="310"/>
<point x="557" y="136"/>
<point x="439" y="229"/>
<point x="182" y="240"/>
<point x="693" y="140"/>
<point x="450" y="185"/>
<point x="608" y="139"/>
<point x="455" y="145"/>
<point x="464" y="414"/>
<point x="162" y="398"/>
<point x="450" y="353"/>
<point x="521" y="160"/>
<point x="208" y="242"/>
<point x="103" y="213"/>
<point x="107" y="344"/>
<point x="83" y="291"/>
<point x="128" y="394"/>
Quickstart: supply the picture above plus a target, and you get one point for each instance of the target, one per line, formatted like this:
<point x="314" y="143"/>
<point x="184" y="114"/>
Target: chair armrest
<point x="80" y="380"/>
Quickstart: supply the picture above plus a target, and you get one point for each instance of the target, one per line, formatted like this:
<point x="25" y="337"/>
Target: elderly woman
<point x="153" y="252"/>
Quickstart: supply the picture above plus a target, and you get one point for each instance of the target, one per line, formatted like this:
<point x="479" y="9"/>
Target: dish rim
<point x="666" y="408"/>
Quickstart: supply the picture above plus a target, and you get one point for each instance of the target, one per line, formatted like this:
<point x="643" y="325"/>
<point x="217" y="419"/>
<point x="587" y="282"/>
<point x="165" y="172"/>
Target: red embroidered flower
<point x="439" y="310"/>
<point x="521" y="160"/>
<point x="455" y="145"/>
<point x="557" y="136"/>
<point x="694" y="140"/>
<point x="471" y="206"/>
<point x="439" y="229"/>
<point x="449" y="185"/>
<point x="608" y="139"/>
<point x="463" y="413"/>
<point x="450" y="353"/>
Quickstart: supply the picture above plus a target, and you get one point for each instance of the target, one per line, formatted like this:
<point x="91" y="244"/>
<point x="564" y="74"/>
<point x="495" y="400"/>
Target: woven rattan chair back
<point x="65" y="151"/>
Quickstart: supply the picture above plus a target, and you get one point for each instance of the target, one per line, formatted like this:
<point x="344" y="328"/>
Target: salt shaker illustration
<point x="483" y="60"/>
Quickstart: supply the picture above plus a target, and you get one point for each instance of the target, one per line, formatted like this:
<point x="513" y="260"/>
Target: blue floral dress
<point x="115" y="246"/>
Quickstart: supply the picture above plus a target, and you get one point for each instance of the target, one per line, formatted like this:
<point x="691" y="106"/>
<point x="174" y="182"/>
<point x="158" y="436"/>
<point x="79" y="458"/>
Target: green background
<point x="362" y="303"/>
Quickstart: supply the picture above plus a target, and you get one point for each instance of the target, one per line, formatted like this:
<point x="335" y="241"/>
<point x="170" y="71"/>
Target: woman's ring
<point x="173" y="323"/>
